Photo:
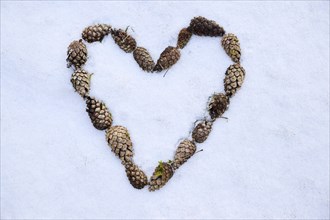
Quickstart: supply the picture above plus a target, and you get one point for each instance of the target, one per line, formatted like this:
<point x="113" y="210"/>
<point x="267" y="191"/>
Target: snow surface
<point x="269" y="160"/>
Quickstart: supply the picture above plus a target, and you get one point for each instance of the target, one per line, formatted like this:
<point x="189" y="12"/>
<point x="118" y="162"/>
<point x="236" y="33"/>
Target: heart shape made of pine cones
<point x="117" y="136"/>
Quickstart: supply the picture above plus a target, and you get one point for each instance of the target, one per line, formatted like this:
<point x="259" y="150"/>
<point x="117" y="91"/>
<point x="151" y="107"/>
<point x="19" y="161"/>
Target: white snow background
<point x="269" y="160"/>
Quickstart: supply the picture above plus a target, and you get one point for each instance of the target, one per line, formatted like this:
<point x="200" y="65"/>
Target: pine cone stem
<point x="165" y="73"/>
<point x="198" y="151"/>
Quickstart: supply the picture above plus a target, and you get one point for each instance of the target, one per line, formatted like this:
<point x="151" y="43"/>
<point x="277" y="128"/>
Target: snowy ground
<point x="270" y="160"/>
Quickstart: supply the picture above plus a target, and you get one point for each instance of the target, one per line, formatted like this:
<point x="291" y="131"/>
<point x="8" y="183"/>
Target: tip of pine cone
<point x="157" y="68"/>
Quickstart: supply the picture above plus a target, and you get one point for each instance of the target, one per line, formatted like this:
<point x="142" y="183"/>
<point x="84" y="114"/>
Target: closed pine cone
<point x="95" y="32"/>
<point x="136" y="176"/>
<point x="144" y="59"/>
<point x="77" y="54"/>
<point x="167" y="59"/>
<point x="80" y="80"/>
<point x="234" y="78"/>
<point x="184" y="151"/>
<point x="218" y="105"/>
<point x="231" y="45"/>
<point x="125" y="41"/>
<point x="161" y="176"/>
<point x="120" y="142"/>
<point x="203" y="27"/>
<point x="98" y="113"/>
<point x="202" y="131"/>
<point x="183" y="38"/>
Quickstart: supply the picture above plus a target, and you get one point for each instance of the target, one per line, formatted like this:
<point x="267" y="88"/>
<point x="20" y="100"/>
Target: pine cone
<point x="125" y="41"/>
<point x="183" y="38"/>
<point x="231" y="45"/>
<point x="218" y="105"/>
<point x="184" y="151"/>
<point x="234" y="78"/>
<point x="203" y="27"/>
<point x="167" y="59"/>
<point x="201" y="131"/>
<point x="120" y="142"/>
<point x="77" y="54"/>
<point x="80" y="80"/>
<point x="136" y="176"/>
<point x="95" y="32"/>
<point x="99" y="113"/>
<point x="161" y="176"/>
<point x="143" y="58"/>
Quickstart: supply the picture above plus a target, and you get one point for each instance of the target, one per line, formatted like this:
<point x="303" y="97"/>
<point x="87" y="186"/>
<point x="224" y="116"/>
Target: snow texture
<point x="269" y="160"/>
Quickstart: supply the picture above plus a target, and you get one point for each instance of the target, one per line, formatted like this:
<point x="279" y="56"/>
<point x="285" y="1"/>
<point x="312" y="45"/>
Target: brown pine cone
<point x="95" y="32"/>
<point x="218" y="105"/>
<point x="201" y="131"/>
<point x="144" y="59"/>
<point x="77" y="54"/>
<point x="120" y="142"/>
<point x="183" y="38"/>
<point x="98" y="113"/>
<point x="234" y="78"/>
<point x="80" y="80"/>
<point x="161" y="176"/>
<point x="167" y="59"/>
<point x="231" y="45"/>
<point x="136" y="176"/>
<point x="203" y="27"/>
<point x="125" y="41"/>
<point x="184" y="151"/>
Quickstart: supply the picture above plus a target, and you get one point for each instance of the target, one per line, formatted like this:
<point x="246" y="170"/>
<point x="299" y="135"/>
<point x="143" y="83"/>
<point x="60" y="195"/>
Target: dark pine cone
<point x="218" y="105"/>
<point x="202" y="131"/>
<point x="80" y="80"/>
<point x="136" y="176"/>
<point x="98" y="113"/>
<point x="95" y="32"/>
<point x="125" y="41"/>
<point x="161" y="176"/>
<point x="203" y="27"/>
<point x="167" y="58"/>
<point x="232" y="47"/>
<point x="77" y="54"/>
<point x="184" y="151"/>
<point x="143" y="58"/>
<point x="183" y="38"/>
<point x="234" y="78"/>
<point x="120" y="142"/>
